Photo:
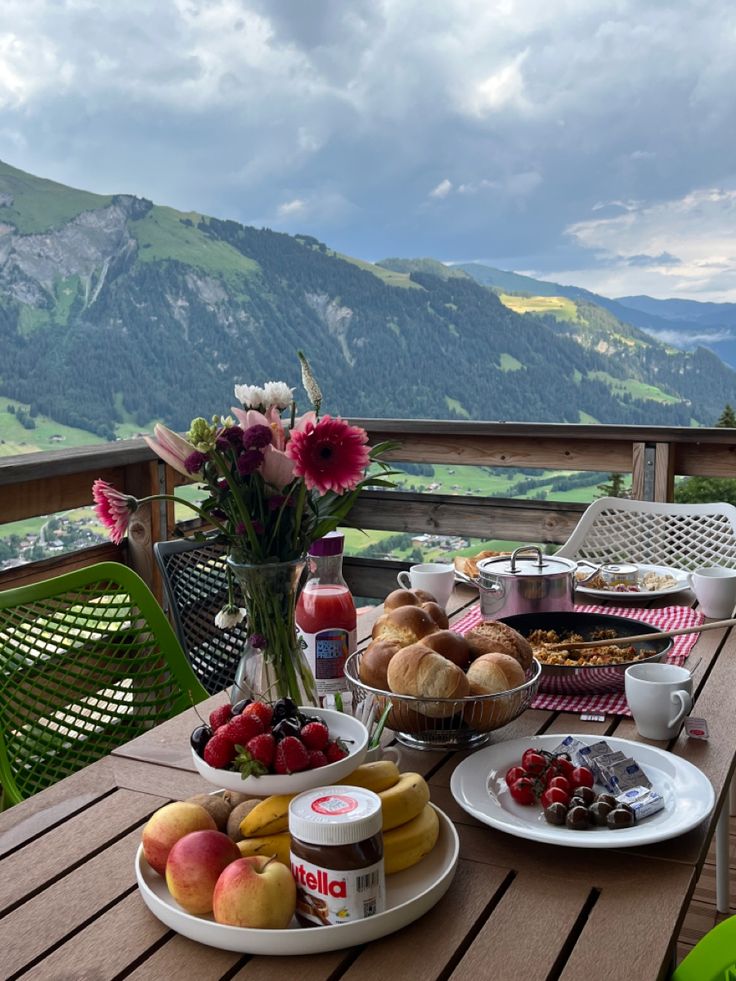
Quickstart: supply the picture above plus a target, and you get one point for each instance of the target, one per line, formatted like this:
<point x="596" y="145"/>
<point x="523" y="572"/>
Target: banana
<point x="269" y="817"/>
<point x="404" y="801"/>
<point x="409" y="843"/>
<point x="377" y="776"/>
<point x="278" y="845"/>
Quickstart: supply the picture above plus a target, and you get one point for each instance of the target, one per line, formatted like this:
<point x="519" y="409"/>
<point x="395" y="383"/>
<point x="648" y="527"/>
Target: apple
<point x="257" y="891"/>
<point x="167" y="826"/>
<point x="194" y="866"/>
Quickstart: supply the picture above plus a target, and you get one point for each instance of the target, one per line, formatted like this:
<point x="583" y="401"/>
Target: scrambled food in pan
<point x="588" y="657"/>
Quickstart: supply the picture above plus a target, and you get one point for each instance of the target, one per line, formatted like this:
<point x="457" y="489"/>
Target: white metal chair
<point x="683" y="536"/>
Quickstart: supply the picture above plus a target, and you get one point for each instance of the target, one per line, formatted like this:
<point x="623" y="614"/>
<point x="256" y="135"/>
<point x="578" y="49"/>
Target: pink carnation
<point x="113" y="508"/>
<point x="330" y="456"/>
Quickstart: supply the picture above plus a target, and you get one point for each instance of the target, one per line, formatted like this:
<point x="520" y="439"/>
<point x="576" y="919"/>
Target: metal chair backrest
<point x="88" y="661"/>
<point x="195" y="580"/>
<point x="682" y="536"/>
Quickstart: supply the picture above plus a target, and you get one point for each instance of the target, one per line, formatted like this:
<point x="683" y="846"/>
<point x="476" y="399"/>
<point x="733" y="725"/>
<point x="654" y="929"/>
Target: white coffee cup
<point x="715" y="588"/>
<point x="436" y="578"/>
<point x="659" y="696"/>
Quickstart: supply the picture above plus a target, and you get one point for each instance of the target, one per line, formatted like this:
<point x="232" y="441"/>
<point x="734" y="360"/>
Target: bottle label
<point x="326" y="896"/>
<point x="326" y="652"/>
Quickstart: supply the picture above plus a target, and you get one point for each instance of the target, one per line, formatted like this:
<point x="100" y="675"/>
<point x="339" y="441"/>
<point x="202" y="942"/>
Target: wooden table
<point x="69" y="905"/>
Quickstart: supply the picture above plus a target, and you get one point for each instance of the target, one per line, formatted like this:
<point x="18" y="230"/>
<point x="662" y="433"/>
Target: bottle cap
<point x="335" y="815"/>
<point x="331" y="544"/>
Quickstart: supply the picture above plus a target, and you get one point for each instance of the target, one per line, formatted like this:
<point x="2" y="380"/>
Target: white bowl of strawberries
<point x="277" y="749"/>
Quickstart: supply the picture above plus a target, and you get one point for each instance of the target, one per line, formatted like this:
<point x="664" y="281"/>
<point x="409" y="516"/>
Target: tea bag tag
<point x="696" y="728"/>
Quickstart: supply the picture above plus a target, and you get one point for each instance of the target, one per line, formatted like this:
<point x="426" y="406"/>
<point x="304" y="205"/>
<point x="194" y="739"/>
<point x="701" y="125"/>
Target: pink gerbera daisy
<point x="113" y="508"/>
<point x="330" y="456"/>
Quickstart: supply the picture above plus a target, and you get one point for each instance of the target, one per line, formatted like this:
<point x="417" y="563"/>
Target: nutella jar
<point x="337" y="855"/>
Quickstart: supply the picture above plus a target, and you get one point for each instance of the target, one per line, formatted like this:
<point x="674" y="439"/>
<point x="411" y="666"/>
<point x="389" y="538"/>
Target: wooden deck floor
<point x="702" y="915"/>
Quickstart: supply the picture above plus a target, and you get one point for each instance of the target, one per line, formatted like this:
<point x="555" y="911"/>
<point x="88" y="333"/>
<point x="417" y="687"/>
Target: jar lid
<point x="335" y="815"/>
<point x="332" y="544"/>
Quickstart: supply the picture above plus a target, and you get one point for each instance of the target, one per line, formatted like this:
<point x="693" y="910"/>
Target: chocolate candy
<point x="620" y="817"/>
<point x="599" y="811"/>
<point x="555" y="814"/>
<point x="577" y="818"/>
<point x="585" y="794"/>
<point x="608" y="799"/>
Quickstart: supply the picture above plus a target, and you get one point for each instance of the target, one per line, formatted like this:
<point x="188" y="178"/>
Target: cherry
<point x="199" y="739"/>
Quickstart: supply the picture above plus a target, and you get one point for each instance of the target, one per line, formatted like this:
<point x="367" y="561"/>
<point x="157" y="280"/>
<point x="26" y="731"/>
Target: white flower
<point x="250" y="396"/>
<point x="278" y="394"/>
<point x="229" y="616"/>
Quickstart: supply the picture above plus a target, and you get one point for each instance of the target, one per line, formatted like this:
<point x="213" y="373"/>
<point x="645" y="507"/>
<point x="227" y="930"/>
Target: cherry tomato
<point x="523" y="791"/>
<point x="565" y="766"/>
<point x="533" y="762"/>
<point x="581" y="776"/>
<point x="555" y="795"/>
<point x="514" y="774"/>
<point x="562" y="783"/>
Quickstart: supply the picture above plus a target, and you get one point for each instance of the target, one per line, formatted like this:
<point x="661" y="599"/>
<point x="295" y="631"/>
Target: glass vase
<point x="273" y="665"/>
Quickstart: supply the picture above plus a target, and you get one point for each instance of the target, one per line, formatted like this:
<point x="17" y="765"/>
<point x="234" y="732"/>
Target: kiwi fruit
<point x="236" y="816"/>
<point x="217" y="807"/>
<point x="234" y="797"/>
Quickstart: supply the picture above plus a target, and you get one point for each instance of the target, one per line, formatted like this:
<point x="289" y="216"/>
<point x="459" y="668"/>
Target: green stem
<point x="180" y="500"/>
<point x="227" y="475"/>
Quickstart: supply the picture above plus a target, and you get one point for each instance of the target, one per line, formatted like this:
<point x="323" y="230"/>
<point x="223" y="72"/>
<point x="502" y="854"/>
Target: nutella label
<point x="327" y="896"/>
<point x="326" y="653"/>
<point x="334" y="804"/>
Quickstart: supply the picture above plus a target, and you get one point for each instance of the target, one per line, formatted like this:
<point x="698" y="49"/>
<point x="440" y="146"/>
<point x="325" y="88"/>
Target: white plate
<point x="341" y="726"/>
<point x="409" y="895"/>
<point x="479" y="787"/>
<point x="643" y="594"/>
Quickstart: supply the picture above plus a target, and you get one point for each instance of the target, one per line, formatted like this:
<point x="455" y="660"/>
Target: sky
<point x="590" y="142"/>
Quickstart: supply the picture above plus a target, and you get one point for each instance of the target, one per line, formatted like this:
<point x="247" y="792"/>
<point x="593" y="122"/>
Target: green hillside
<point x="37" y="205"/>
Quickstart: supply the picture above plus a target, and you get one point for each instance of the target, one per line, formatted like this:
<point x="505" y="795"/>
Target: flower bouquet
<point x="272" y="488"/>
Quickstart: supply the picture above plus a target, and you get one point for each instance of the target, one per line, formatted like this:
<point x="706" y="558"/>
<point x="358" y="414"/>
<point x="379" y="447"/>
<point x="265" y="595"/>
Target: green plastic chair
<point x="713" y="958"/>
<point x="88" y="661"/>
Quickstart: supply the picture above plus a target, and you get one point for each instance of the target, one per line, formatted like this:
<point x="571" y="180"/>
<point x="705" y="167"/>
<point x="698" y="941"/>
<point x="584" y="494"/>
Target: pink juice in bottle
<point x="325" y="616"/>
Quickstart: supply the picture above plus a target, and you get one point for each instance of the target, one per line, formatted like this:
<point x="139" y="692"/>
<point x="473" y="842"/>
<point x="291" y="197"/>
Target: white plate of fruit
<point x="216" y="868"/>
<point x="258" y="749"/>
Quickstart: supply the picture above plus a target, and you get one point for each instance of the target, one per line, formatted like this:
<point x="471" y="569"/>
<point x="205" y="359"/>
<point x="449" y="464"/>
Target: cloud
<point x="690" y="339"/>
<point x="539" y="128"/>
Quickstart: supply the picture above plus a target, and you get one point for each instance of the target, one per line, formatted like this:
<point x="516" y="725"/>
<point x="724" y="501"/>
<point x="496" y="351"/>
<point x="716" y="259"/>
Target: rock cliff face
<point x="115" y="309"/>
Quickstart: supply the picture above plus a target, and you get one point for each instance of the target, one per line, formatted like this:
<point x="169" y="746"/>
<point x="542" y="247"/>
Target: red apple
<point x="257" y="891"/>
<point x="194" y="866"/>
<point x="167" y="826"/>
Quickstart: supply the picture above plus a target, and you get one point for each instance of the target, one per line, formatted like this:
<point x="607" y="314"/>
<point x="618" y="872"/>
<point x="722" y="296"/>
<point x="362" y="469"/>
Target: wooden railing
<point x="49" y="482"/>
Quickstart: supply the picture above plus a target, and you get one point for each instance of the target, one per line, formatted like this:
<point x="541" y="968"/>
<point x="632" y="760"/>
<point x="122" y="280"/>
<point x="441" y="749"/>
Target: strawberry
<point x="316" y="759"/>
<point x="243" y="727"/>
<point x="255" y="759"/>
<point x="219" y="751"/>
<point x="335" y="751"/>
<point x="220" y="716"/>
<point x="291" y="756"/>
<point x="260" y="710"/>
<point x="315" y="735"/>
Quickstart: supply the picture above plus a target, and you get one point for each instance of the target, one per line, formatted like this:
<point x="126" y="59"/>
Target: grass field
<point x="557" y="306"/>
<point x="637" y="389"/>
<point x="39" y="204"/>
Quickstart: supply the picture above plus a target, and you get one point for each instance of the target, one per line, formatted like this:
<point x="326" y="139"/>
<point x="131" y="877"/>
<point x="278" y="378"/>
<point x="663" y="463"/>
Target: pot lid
<point x="535" y="564"/>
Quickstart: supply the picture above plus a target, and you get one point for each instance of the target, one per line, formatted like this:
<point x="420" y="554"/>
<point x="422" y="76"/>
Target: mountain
<point x="116" y="312"/>
<point x="683" y="323"/>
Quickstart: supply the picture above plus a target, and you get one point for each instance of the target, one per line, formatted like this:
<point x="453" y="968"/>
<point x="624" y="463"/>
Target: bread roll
<point x="407" y="625"/>
<point x="450" y="645"/>
<point x="418" y="670"/>
<point x="493" y="636"/>
<point x="495" y="672"/>
<point x="401" y="597"/>
<point x="424" y="597"/>
<point x="374" y="662"/>
<point x="437" y="613"/>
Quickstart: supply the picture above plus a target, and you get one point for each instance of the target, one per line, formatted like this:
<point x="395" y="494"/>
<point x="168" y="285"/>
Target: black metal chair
<point x="195" y="580"/>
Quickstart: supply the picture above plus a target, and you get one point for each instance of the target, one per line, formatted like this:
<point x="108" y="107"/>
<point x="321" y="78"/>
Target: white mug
<point x="715" y="588"/>
<point x="659" y="696"/>
<point x="436" y="578"/>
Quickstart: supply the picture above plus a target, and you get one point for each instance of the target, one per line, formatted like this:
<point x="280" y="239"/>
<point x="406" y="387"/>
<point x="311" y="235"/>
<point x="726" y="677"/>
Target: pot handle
<point x="596" y="569"/>
<point x="526" y="548"/>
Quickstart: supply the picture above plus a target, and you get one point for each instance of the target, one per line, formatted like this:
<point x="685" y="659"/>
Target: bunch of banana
<point x="410" y="824"/>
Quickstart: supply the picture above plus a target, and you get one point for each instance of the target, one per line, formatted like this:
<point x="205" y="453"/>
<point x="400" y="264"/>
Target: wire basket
<point x="446" y="723"/>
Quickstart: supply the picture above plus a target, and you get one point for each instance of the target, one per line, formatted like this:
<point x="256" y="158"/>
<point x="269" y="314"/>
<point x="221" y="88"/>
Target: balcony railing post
<point x="652" y="472"/>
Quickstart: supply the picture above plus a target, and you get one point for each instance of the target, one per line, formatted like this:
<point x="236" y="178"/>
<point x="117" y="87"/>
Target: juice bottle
<point x="325" y="615"/>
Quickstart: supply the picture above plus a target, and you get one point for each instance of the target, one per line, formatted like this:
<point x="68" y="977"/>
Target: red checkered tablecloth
<point x="614" y="703"/>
